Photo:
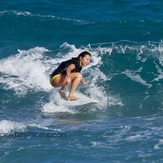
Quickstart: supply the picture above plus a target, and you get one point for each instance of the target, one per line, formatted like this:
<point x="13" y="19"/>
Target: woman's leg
<point x="75" y="81"/>
<point x="61" y="81"/>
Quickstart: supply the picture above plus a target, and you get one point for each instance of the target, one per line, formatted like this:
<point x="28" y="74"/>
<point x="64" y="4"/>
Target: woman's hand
<point x="68" y="72"/>
<point x="68" y="80"/>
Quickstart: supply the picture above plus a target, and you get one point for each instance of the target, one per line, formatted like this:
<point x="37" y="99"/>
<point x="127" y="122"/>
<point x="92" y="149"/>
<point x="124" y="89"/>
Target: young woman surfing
<point x="68" y="73"/>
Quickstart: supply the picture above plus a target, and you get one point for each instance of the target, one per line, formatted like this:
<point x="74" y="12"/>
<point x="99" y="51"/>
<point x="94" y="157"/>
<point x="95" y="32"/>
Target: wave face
<point x="125" y="77"/>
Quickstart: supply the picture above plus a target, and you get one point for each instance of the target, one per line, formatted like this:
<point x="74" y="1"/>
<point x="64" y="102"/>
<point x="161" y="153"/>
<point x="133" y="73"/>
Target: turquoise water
<point x="125" y="77"/>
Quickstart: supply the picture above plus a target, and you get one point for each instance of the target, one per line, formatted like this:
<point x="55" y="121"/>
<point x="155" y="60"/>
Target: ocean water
<point x="125" y="77"/>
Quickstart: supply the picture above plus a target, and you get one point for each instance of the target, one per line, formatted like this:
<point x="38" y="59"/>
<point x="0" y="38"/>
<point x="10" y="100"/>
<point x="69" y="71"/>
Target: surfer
<point x="68" y="73"/>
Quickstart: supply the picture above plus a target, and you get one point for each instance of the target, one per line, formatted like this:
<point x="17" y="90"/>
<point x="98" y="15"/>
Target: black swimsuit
<point x="61" y="69"/>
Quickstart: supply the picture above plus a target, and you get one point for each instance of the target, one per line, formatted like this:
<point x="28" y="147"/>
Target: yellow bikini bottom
<point x="52" y="78"/>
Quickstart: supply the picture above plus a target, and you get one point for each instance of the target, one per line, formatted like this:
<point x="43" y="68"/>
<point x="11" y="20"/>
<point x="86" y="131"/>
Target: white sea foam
<point x="26" y="13"/>
<point x="98" y="144"/>
<point x="143" y="52"/>
<point x="43" y="125"/>
<point x="51" y="107"/>
<point x="113" y="100"/>
<point x="160" y="73"/>
<point x="159" y="66"/>
<point x="136" y="77"/>
<point x="7" y="127"/>
<point x="25" y="70"/>
<point x="135" y="137"/>
<point x="159" y="145"/>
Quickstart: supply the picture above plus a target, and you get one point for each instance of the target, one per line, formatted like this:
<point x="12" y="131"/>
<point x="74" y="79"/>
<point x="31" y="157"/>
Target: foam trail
<point x="29" y="14"/>
<point x="18" y="13"/>
<point x="136" y="77"/>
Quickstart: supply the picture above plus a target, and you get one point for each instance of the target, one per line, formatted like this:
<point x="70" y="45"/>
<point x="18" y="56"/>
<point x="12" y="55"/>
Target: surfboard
<point x="83" y="100"/>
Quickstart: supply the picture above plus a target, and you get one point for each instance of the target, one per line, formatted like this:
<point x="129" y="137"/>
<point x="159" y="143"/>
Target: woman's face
<point x="85" y="60"/>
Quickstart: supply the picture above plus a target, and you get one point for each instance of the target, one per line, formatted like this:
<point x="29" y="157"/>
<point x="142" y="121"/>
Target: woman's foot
<point x="72" y="98"/>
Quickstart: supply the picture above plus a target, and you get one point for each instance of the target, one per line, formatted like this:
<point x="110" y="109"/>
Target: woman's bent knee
<point x="79" y="76"/>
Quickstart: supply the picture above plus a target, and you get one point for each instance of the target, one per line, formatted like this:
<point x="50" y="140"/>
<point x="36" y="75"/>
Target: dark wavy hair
<point x="83" y="54"/>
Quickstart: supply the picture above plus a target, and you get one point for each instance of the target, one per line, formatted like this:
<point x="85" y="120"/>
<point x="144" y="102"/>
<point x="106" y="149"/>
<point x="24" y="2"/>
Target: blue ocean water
<point x="125" y="77"/>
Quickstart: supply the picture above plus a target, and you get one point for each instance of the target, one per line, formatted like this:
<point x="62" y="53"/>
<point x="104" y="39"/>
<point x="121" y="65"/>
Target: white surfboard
<point x="83" y="99"/>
